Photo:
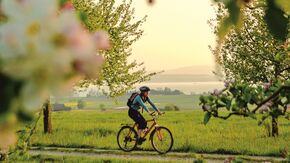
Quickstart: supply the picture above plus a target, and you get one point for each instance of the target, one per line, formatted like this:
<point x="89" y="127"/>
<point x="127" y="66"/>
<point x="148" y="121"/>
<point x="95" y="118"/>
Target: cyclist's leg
<point x="142" y="124"/>
<point x="142" y="121"/>
<point x="139" y="119"/>
<point x="133" y="114"/>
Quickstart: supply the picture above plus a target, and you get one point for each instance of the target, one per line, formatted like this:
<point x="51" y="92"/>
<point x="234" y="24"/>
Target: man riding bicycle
<point x="136" y="105"/>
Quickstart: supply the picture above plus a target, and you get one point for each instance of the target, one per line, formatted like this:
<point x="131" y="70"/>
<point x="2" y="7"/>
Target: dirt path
<point x="143" y="155"/>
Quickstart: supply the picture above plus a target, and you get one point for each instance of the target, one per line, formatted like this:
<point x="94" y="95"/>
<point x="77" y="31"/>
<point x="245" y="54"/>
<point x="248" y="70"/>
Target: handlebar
<point x="155" y="114"/>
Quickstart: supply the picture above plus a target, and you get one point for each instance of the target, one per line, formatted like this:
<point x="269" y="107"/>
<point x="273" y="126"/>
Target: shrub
<point x="171" y="107"/>
<point x="102" y="107"/>
<point x="81" y="104"/>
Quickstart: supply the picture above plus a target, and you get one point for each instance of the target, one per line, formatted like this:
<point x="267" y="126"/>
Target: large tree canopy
<point x="118" y="74"/>
<point x="252" y="54"/>
<point x="276" y="16"/>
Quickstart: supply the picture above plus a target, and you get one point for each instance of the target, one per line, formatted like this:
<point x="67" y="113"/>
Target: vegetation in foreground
<point x="95" y="129"/>
<point x="88" y="159"/>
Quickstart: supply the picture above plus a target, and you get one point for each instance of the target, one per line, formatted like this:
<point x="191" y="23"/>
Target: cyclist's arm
<point x="139" y="100"/>
<point x="152" y="104"/>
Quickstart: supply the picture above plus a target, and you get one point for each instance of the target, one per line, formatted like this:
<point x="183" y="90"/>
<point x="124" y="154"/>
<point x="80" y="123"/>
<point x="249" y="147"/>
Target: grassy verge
<point x="87" y="159"/>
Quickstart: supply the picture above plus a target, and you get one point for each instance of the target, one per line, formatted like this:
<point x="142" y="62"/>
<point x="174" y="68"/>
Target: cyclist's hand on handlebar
<point x="153" y="114"/>
<point x="156" y="113"/>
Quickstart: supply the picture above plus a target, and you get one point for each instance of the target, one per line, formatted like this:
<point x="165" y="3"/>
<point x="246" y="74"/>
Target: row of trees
<point x="166" y="91"/>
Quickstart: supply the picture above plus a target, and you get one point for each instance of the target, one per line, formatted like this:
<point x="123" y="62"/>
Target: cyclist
<point x="134" y="114"/>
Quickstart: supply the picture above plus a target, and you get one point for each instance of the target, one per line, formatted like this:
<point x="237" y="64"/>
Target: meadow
<point x="98" y="129"/>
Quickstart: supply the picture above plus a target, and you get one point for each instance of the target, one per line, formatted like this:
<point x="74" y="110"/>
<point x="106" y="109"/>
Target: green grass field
<point x="96" y="129"/>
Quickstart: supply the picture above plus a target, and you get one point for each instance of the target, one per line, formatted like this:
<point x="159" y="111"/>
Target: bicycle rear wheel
<point x="162" y="140"/>
<point x="126" y="138"/>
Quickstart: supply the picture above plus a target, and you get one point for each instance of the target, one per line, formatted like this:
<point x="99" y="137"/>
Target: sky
<point x="176" y="34"/>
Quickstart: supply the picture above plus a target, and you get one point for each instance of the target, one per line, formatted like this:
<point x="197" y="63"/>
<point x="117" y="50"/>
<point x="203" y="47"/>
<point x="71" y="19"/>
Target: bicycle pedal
<point x="140" y="140"/>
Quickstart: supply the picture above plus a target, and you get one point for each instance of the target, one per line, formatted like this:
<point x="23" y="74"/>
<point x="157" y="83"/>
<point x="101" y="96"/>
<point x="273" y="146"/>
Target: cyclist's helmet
<point x="144" y="89"/>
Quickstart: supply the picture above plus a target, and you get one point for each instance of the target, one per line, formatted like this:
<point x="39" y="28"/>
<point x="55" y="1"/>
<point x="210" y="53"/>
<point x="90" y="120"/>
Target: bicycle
<point x="160" y="137"/>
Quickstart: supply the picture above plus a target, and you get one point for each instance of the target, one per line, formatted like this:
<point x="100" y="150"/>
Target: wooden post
<point x="47" y="117"/>
<point x="275" y="127"/>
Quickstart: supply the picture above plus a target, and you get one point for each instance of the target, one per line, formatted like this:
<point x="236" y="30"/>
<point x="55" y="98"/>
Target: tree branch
<point x="271" y="97"/>
<point x="285" y="69"/>
<point x="262" y="47"/>
<point x="229" y="115"/>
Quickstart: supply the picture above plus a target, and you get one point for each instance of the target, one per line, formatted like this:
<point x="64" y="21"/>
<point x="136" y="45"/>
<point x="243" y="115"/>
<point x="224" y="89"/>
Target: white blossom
<point x="47" y="50"/>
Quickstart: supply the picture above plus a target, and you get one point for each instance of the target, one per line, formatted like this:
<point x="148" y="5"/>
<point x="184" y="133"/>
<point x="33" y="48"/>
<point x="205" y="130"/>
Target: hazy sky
<point x="176" y="33"/>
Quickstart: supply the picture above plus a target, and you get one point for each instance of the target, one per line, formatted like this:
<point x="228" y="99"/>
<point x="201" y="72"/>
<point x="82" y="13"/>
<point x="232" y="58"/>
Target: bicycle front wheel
<point x="162" y="140"/>
<point x="126" y="138"/>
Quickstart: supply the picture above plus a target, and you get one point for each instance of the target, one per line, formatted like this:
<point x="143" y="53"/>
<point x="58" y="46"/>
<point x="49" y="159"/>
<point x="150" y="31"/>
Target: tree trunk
<point x="275" y="127"/>
<point x="47" y="117"/>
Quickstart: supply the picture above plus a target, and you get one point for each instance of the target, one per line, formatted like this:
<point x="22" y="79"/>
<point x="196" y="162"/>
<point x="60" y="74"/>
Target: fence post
<point x="47" y="117"/>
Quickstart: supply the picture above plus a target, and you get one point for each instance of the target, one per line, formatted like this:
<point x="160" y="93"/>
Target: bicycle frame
<point x="154" y="124"/>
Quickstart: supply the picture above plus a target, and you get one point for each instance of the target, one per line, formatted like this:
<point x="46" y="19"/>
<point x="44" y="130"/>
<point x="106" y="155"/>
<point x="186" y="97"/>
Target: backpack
<point x="131" y="99"/>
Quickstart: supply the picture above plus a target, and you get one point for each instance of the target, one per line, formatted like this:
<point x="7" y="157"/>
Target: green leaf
<point x="234" y="18"/>
<point x="24" y="115"/>
<point x="202" y="99"/>
<point x="234" y="11"/>
<point x="221" y="103"/>
<point x="229" y="104"/>
<point x="206" y="118"/>
<point x="62" y="2"/>
<point x="287" y="116"/>
<point x="284" y="5"/>
<point x="234" y="107"/>
<point x="276" y="21"/>
<point x="260" y="122"/>
<point x="280" y="57"/>
<point x="252" y="115"/>
<point x="83" y="16"/>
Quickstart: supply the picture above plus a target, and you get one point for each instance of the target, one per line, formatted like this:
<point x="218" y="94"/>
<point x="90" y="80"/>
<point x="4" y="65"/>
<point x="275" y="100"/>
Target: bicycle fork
<point x="159" y="134"/>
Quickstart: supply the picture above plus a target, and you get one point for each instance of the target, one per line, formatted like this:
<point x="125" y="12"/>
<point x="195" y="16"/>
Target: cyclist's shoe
<point x="140" y="140"/>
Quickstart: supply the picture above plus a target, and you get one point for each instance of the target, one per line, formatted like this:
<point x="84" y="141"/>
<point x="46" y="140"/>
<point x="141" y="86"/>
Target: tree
<point x="276" y="16"/>
<point x="260" y="65"/>
<point x="166" y="91"/>
<point x="117" y="73"/>
<point x="252" y="54"/>
<point x="81" y="104"/>
<point x="93" y="93"/>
